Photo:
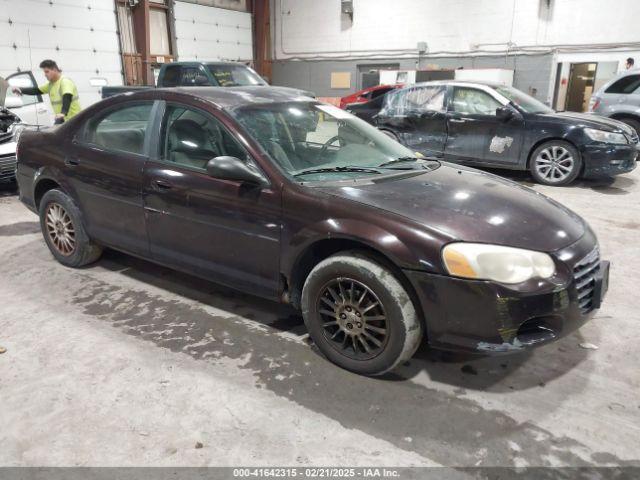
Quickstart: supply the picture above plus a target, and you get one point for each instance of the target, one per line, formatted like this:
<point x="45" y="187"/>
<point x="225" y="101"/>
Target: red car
<point x="367" y="94"/>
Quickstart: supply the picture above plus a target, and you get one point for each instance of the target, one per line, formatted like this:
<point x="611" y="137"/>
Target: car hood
<point x="295" y="91"/>
<point x="589" y="120"/>
<point x="465" y="204"/>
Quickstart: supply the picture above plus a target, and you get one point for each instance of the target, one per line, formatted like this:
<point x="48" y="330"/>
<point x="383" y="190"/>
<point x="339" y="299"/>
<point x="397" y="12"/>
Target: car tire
<point x="64" y="234"/>
<point x="340" y="311"/>
<point x="555" y="163"/>
<point x="632" y="122"/>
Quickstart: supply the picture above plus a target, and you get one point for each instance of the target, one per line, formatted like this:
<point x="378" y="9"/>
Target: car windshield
<point x="235" y="75"/>
<point x="524" y="101"/>
<point x="317" y="142"/>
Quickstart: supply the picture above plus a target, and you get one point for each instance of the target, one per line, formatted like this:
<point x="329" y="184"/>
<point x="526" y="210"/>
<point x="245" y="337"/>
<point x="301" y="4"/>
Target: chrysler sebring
<point x="297" y="201"/>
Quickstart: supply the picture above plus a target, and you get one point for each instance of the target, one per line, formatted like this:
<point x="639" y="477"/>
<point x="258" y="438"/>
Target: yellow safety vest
<point x="59" y="88"/>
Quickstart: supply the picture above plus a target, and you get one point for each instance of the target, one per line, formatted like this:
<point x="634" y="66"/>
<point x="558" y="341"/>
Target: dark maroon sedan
<point x="301" y="202"/>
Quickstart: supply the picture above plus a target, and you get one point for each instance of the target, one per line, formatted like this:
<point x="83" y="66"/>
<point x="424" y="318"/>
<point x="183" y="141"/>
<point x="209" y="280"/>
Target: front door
<point x="417" y="117"/>
<point x="219" y="229"/>
<point x="104" y="165"/>
<point x="31" y="109"/>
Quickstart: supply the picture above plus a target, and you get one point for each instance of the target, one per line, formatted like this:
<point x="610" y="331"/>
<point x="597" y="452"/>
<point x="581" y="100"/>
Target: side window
<point x="22" y="80"/>
<point x="392" y="103"/>
<point x="171" y="76"/>
<point x="122" y="130"/>
<point x="192" y="138"/>
<point x="425" y="98"/>
<point x="472" y="101"/>
<point x="411" y="100"/>
<point x="626" y="85"/>
<point x="379" y="92"/>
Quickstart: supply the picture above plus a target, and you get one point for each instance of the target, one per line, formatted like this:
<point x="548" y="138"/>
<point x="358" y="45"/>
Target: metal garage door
<point x="79" y="35"/>
<point x="210" y="33"/>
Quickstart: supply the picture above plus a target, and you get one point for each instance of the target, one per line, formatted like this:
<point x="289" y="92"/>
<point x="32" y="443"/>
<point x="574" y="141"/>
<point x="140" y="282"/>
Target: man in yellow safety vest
<point x="62" y="91"/>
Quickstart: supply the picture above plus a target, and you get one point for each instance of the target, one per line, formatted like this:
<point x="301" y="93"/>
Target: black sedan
<point x="497" y="126"/>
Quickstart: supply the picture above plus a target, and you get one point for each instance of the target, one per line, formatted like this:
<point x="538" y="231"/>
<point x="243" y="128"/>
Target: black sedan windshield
<point x="524" y="101"/>
<point x="316" y="142"/>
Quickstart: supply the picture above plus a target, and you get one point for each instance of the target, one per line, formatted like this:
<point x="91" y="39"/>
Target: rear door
<point x="476" y="134"/>
<point x="105" y="164"/>
<point x="220" y="229"/>
<point x="31" y="109"/>
<point x="417" y="116"/>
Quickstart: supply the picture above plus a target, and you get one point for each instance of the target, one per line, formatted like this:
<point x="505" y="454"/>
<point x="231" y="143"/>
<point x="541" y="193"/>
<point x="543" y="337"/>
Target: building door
<point x="369" y="74"/>
<point x="580" y="87"/>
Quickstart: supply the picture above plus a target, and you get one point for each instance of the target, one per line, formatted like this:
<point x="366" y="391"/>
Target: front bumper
<point x="602" y="160"/>
<point x="486" y="317"/>
<point x="8" y="161"/>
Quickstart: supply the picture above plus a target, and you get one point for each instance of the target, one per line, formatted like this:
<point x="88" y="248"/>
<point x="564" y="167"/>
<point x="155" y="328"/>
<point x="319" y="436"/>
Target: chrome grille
<point x="7" y="166"/>
<point x="584" y="273"/>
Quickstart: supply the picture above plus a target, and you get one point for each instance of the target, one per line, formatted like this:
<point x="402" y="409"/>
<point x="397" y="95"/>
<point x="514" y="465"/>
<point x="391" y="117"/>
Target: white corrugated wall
<point x="210" y="33"/>
<point x="80" y="35"/>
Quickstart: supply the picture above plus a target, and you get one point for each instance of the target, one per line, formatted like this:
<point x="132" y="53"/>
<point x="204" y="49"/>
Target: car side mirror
<point x="504" y="113"/>
<point x="13" y="102"/>
<point x="232" y="168"/>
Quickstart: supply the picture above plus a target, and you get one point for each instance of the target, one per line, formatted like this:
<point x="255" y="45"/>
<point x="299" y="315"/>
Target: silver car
<point x="620" y="99"/>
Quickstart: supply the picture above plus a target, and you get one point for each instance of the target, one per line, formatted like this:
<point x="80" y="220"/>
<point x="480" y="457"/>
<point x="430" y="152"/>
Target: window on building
<point x="159" y="31"/>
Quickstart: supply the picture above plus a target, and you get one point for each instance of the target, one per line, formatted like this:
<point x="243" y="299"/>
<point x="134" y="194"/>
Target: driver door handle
<point x="161" y="185"/>
<point x="458" y="120"/>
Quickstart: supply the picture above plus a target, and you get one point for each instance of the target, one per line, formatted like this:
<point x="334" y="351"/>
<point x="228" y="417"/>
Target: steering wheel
<point x="326" y="145"/>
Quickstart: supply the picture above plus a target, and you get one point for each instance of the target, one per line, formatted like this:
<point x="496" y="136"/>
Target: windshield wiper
<point x="403" y="159"/>
<point x="336" y="169"/>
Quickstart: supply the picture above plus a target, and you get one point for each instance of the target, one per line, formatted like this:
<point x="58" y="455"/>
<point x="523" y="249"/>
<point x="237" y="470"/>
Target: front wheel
<point x="555" y="163"/>
<point x="63" y="231"/>
<point x="359" y="315"/>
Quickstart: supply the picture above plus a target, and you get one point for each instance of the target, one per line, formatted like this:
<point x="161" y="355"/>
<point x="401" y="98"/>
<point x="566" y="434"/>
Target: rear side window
<point x="379" y="92"/>
<point x="121" y="130"/>
<point x="171" y="76"/>
<point x="412" y="100"/>
<point x="625" y="85"/>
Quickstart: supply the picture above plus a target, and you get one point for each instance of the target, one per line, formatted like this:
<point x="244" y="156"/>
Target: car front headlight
<point x="605" y="137"/>
<point x="495" y="262"/>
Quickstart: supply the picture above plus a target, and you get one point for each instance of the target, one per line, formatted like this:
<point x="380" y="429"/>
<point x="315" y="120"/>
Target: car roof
<point x="460" y="83"/>
<point x="233" y="97"/>
<point x="213" y="62"/>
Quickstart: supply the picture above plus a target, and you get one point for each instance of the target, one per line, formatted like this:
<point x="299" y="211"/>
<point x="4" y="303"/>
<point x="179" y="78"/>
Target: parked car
<point x="367" y="94"/>
<point x="10" y="127"/>
<point x="302" y="202"/>
<point x="202" y="74"/>
<point x="493" y="125"/>
<point x="620" y="99"/>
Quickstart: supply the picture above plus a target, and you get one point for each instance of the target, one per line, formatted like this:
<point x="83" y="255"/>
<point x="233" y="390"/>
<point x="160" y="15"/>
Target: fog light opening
<point x="536" y="330"/>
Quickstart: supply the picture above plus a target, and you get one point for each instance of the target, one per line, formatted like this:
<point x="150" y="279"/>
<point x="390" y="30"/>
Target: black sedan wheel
<point x="555" y="163"/>
<point x="63" y="232"/>
<point x="359" y="314"/>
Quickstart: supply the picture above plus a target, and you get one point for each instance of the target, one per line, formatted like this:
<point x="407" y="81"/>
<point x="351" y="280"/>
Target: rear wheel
<point x="63" y="231"/>
<point x="555" y="163"/>
<point x="359" y="315"/>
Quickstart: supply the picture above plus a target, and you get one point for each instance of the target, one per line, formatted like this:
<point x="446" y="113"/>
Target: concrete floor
<point x="127" y="363"/>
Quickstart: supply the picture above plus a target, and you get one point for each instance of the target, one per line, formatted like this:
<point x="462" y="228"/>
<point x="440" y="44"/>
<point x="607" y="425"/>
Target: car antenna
<point x="31" y="68"/>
